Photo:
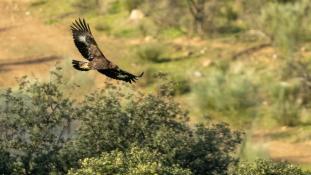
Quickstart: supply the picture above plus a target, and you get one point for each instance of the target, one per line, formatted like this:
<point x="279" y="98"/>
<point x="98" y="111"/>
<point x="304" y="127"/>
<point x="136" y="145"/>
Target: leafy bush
<point x="283" y="29"/>
<point x="132" y="162"/>
<point x="263" y="167"/>
<point x="156" y="123"/>
<point x="37" y="135"/>
<point x="228" y="93"/>
<point x="35" y="122"/>
<point x="285" y="106"/>
<point x="181" y="85"/>
<point x="290" y="96"/>
<point x="151" y="52"/>
<point x="172" y="86"/>
<point x="6" y="163"/>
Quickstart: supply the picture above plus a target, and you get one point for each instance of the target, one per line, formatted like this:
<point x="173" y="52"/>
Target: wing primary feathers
<point x="140" y="75"/>
<point x="88" y="26"/>
<point x="120" y="74"/>
<point x="75" y="26"/>
<point x="81" y="25"/>
<point x="84" y="39"/>
<point x="84" y="25"/>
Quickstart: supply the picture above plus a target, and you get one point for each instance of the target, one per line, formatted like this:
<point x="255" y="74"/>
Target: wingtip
<point x="80" y="24"/>
<point x="141" y="74"/>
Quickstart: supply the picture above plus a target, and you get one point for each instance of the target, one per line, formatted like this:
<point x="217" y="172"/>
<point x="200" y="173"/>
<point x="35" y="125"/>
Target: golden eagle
<point x="87" y="46"/>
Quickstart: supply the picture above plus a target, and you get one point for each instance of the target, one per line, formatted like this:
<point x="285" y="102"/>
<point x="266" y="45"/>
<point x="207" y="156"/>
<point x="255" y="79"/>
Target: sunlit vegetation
<point x="243" y="62"/>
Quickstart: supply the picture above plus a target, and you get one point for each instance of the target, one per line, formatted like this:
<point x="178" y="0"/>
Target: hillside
<point x="238" y="71"/>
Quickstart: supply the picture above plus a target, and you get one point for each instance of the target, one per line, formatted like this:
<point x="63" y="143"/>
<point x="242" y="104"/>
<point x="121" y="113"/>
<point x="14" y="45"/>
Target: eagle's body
<point x="87" y="46"/>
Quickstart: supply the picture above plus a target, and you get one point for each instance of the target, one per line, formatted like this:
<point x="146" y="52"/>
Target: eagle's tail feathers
<point x="80" y="65"/>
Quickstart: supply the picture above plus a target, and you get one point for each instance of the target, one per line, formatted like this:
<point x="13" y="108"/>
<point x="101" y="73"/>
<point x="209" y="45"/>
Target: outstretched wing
<point x="84" y="40"/>
<point x="120" y="74"/>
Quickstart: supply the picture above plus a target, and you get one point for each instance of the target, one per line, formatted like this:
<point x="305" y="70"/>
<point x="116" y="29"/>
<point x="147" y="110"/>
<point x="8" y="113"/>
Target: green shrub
<point x="228" y="93"/>
<point x="35" y="121"/>
<point x="286" y="107"/>
<point x="37" y="136"/>
<point x="181" y="85"/>
<point x="132" y="162"/>
<point x="152" y="52"/>
<point x="112" y="120"/>
<point x="290" y="95"/>
<point x="6" y="162"/>
<point x="283" y="29"/>
<point x="263" y="167"/>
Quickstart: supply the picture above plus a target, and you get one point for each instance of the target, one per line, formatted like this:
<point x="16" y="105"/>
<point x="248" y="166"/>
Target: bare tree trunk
<point x="197" y="11"/>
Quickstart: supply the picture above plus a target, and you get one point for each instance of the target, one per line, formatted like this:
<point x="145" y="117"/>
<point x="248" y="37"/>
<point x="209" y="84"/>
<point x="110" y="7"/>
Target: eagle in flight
<point x="87" y="46"/>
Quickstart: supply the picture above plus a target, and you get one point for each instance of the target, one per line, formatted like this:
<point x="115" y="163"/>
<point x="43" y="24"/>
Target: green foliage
<point x="6" y="163"/>
<point x="115" y="7"/>
<point x="172" y="33"/>
<point x="127" y="33"/>
<point x="152" y="52"/>
<point x="263" y="167"/>
<point x="181" y="85"/>
<point x="286" y="107"/>
<point x="37" y="138"/>
<point x="132" y="162"/>
<point x="290" y="96"/>
<point x="282" y="29"/>
<point x="228" y="93"/>
<point x="201" y="156"/>
<point x="35" y="121"/>
<point x="112" y="120"/>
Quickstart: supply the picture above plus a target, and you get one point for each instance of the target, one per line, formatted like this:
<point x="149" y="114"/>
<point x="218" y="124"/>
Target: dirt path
<point x="299" y="153"/>
<point x="285" y="144"/>
<point x="25" y="38"/>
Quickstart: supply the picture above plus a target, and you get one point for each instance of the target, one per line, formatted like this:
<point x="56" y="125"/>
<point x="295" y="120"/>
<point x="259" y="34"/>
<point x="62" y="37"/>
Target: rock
<point x="197" y="74"/>
<point x="206" y="62"/>
<point x="136" y="15"/>
<point x="148" y="38"/>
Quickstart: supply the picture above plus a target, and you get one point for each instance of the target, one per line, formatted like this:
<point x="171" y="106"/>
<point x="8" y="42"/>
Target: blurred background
<point x="244" y="62"/>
